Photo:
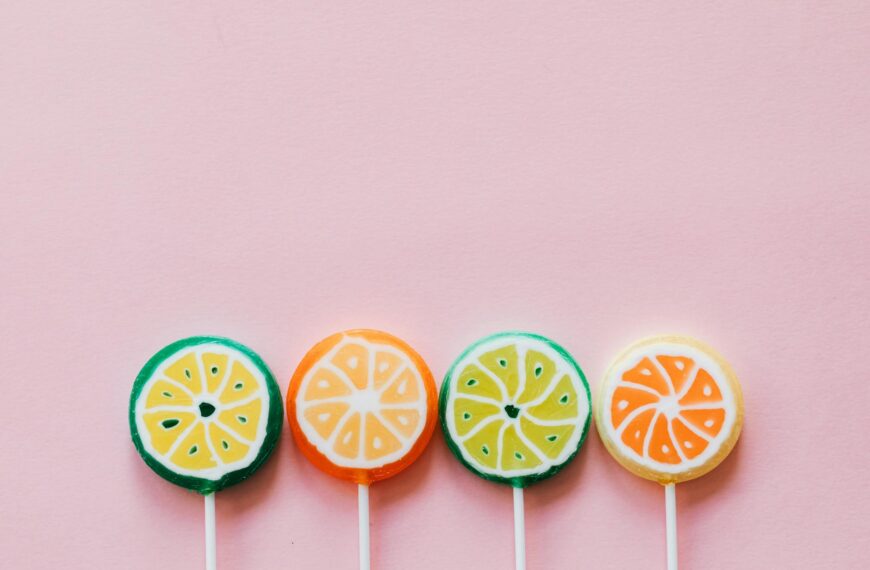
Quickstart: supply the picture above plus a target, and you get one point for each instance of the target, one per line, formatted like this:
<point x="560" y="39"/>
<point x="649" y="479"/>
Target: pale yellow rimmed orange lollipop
<point x="670" y="409"/>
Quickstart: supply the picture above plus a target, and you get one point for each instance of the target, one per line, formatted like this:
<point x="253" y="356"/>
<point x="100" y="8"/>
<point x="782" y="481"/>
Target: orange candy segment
<point x="386" y="366"/>
<point x="634" y="434"/>
<point x="346" y="444"/>
<point x="690" y="442"/>
<point x="647" y="374"/>
<point x="325" y="417"/>
<point x="403" y="421"/>
<point x="678" y="369"/>
<point x="708" y="421"/>
<point x="703" y="390"/>
<point x="626" y="400"/>
<point x="326" y="384"/>
<point x="661" y="446"/>
<point x="362" y="405"/>
<point x="380" y="440"/>
<point x="353" y="360"/>
<point x="403" y="390"/>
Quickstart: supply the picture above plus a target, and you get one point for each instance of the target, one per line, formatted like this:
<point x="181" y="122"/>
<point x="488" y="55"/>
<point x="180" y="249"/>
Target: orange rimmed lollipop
<point x="362" y="406"/>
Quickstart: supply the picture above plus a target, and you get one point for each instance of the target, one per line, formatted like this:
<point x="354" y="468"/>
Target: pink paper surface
<point x="275" y="172"/>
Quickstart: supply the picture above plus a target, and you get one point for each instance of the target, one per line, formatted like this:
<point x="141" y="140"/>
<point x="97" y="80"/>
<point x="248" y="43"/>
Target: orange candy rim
<point x="360" y="475"/>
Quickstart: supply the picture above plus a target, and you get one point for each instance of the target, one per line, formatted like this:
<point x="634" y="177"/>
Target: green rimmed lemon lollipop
<point x="515" y="409"/>
<point x="205" y="413"/>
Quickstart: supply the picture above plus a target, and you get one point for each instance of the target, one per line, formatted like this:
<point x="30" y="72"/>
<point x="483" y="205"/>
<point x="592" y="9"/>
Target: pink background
<point x="594" y="172"/>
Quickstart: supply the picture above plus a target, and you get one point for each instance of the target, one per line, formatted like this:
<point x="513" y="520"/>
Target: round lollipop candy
<point x="361" y="407"/>
<point x="670" y="410"/>
<point x="515" y="409"/>
<point x="205" y="413"/>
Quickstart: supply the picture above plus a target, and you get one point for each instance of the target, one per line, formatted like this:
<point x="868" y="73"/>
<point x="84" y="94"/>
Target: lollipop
<point x="361" y="406"/>
<point x="205" y="413"/>
<point x="670" y="410"/>
<point x="515" y="409"/>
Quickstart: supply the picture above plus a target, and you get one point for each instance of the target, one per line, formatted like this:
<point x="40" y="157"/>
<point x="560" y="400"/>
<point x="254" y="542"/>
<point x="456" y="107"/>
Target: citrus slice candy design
<point x="361" y="405"/>
<point x="515" y="408"/>
<point x="670" y="409"/>
<point x="205" y="413"/>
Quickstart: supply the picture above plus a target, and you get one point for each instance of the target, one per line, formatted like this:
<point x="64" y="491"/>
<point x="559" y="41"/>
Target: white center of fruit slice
<point x="203" y="411"/>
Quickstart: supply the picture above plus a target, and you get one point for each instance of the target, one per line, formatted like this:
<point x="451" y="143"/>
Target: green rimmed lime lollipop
<point x="515" y="409"/>
<point x="205" y="413"/>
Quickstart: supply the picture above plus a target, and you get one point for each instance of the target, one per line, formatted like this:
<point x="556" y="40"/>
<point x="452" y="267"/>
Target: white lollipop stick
<point x="519" y="529"/>
<point x="210" y="542"/>
<point x="671" y="524"/>
<point x="364" y="539"/>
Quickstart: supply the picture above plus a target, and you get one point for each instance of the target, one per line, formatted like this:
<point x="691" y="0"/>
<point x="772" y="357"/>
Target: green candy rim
<point x="274" y="421"/>
<point x="526" y="480"/>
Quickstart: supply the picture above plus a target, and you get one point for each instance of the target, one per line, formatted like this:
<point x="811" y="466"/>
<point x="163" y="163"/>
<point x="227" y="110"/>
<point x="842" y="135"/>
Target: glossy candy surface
<point x="515" y="408"/>
<point x="205" y="413"/>
<point x="362" y="405"/>
<point x="670" y="409"/>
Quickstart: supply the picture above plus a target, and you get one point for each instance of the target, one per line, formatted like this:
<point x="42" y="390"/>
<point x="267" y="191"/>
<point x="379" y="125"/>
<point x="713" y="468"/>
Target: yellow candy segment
<point x="515" y="454"/>
<point x="504" y="363"/>
<point x="165" y="393"/>
<point x="243" y="419"/>
<point x="550" y="440"/>
<point x="472" y="380"/>
<point x="193" y="452"/>
<point x="468" y="413"/>
<point x="540" y="370"/>
<point x="228" y="448"/>
<point x="185" y="371"/>
<point x="561" y="404"/>
<point x="483" y="446"/>
<point x="215" y="366"/>
<point x="166" y="427"/>
<point x="241" y="384"/>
